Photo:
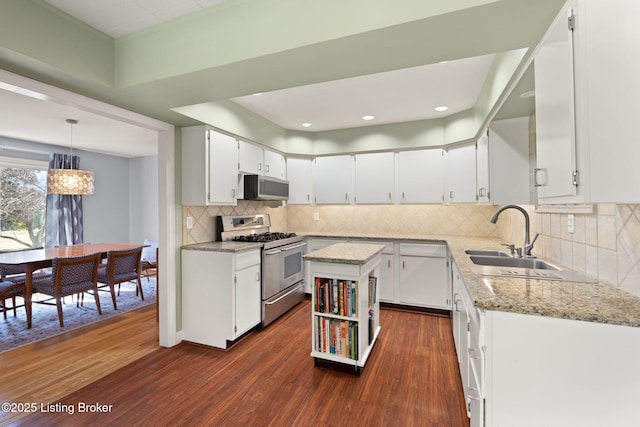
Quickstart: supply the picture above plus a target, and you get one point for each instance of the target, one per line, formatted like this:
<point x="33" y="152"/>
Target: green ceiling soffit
<point x="33" y="29"/>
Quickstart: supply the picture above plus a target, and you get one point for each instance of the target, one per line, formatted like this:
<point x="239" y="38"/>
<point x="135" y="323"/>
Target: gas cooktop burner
<point x="263" y="237"/>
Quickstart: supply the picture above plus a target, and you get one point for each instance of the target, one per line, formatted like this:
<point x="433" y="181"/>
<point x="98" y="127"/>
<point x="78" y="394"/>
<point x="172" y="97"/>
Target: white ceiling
<point x="118" y="18"/>
<point x="397" y="96"/>
<point x="391" y="97"/>
<point x="31" y="119"/>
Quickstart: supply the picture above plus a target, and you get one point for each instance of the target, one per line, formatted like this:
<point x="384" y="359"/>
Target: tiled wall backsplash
<point x="605" y="244"/>
<point x="204" y="219"/>
<point x="453" y="220"/>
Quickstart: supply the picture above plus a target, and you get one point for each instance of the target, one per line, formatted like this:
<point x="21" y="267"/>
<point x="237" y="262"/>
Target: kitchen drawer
<point x="426" y="250"/>
<point x="247" y="259"/>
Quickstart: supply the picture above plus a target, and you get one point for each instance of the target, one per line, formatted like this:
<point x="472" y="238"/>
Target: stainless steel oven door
<point x="281" y="268"/>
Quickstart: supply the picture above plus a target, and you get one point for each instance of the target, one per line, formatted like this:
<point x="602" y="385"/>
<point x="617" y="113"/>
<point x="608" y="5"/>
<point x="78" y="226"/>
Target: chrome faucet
<point x="528" y="246"/>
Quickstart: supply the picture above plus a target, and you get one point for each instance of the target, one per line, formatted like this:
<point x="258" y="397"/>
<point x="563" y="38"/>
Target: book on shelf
<point x="336" y="336"/>
<point x="336" y="296"/>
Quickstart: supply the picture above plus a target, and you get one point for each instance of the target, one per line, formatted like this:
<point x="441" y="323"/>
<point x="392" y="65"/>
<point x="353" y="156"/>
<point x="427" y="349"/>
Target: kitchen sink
<point x="499" y="263"/>
<point x="483" y="252"/>
<point x="502" y="261"/>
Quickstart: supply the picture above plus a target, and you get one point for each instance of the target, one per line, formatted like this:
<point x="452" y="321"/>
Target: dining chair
<point x="11" y="290"/>
<point x="122" y="266"/>
<point x="149" y="258"/>
<point x="69" y="276"/>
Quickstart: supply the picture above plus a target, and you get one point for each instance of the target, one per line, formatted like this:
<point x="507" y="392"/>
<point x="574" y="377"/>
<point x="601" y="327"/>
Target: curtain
<point x="63" y="212"/>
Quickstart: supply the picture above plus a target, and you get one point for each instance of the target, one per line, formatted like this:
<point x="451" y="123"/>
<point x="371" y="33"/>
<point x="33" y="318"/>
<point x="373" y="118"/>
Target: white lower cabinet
<point x="222" y="293"/>
<point x="529" y="371"/>
<point x="424" y="275"/>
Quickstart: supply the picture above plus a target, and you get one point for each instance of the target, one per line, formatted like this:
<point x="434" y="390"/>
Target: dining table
<point x="36" y="259"/>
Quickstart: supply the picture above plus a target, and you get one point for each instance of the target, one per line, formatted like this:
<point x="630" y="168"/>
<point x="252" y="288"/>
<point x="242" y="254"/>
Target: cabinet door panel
<point x="274" y="165"/>
<point x="374" y="178"/>
<point x="223" y="169"/>
<point x="300" y="181"/>
<point x="424" y="281"/>
<point x="555" y="113"/>
<point x="247" y="299"/>
<point x="386" y="278"/>
<point x="421" y="176"/>
<point x="461" y="174"/>
<point x="333" y="179"/>
<point x="250" y="158"/>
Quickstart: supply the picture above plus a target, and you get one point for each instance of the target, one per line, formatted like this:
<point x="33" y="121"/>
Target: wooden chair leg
<point x="139" y="286"/>
<point x="4" y="308"/>
<point x="59" y="305"/>
<point x="113" y="296"/>
<point x="13" y="301"/>
<point x="95" y="293"/>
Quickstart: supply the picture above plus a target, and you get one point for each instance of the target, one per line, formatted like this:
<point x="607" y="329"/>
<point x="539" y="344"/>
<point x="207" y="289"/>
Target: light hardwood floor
<point x="268" y="379"/>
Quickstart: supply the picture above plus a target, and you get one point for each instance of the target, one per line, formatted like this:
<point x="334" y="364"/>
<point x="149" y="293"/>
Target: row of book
<point x="338" y="337"/>
<point x="336" y="297"/>
<point x="373" y="287"/>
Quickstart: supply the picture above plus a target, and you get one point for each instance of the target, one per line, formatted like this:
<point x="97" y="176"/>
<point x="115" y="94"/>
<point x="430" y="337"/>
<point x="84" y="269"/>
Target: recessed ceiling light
<point x="528" y="94"/>
<point x="368" y="117"/>
<point x="441" y="108"/>
<point x="306" y="125"/>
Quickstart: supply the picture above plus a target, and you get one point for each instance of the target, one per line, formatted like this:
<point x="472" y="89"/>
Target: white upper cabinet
<point x="461" y="174"/>
<point x="275" y="165"/>
<point x="555" y="115"/>
<point x="250" y="158"/>
<point x="209" y="167"/>
<point x="256" y="160"/>
<point x="421" y="176"/>
<point x="299" y="172"/>
<point x="509" y="161"/>
<point x="601" y="59"/>
<point x="374" y="178"/>
<point x="333" y="180"/>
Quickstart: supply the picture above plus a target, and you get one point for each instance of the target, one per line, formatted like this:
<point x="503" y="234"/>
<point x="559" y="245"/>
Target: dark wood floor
<point x="269" y="379"/>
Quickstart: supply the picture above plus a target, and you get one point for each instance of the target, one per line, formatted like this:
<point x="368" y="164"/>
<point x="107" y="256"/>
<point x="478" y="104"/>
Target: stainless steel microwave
<point x="257" y="187"/>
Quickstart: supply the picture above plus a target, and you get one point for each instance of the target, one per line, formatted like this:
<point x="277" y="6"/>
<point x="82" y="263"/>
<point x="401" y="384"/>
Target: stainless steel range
<point x="282" y="264"/>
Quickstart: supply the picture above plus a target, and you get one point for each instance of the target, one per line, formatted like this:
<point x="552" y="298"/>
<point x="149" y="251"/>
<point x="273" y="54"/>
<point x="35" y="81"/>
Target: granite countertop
<point x="223" y="246"/>
<point x="345" y="253"/>
<point x="591" y="302"/>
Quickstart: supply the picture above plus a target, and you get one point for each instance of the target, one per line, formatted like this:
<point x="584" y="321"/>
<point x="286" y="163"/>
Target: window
<point x="23" y="195"/>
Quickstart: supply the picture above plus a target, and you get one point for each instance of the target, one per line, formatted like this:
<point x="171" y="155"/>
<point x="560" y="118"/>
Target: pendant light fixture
<point x="70" y="181"/>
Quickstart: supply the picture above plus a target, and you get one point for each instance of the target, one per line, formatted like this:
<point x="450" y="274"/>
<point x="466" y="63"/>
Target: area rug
<point x="14" y="332"/>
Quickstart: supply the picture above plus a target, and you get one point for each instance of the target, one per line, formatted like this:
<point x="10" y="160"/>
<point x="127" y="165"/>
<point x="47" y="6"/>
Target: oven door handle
<point x="299" y="245"/>
<point x="272" y="252"/>
<point x="285" y="295"/>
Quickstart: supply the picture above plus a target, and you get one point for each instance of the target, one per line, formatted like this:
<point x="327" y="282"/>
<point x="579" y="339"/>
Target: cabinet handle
<point x="346" y="197"/>
<point x="259" y="166"/>
<point x="233" y="192"/>
<point x="472" y="354"/>
<point x="257" y="276"/>
<point x="266" y="168"/>
<point x="537" y="172"/>
<point x="389" y="263"/>
<point x="403" y="265"/>
<point x="451" y="194"/>
<point x="308" y="197"/>
<point x="482" y="192"/>
<point x="403" y="198"/>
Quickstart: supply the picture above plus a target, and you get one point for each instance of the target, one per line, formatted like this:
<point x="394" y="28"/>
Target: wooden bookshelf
<point x="345" y="308"/>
